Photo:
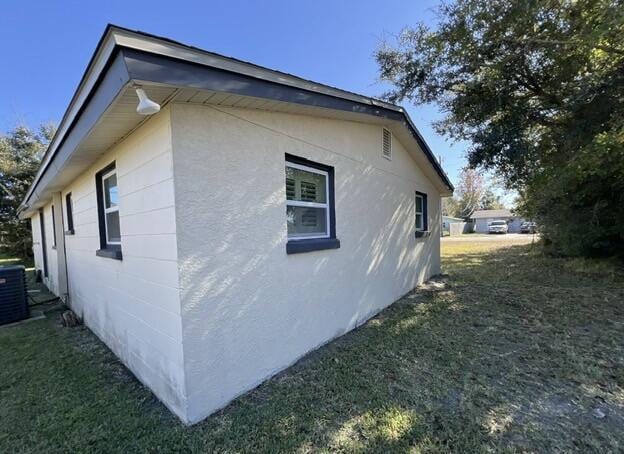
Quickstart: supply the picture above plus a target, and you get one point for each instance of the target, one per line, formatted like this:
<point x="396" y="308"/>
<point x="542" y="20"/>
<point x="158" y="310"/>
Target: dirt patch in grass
<point x="511" y="351"/>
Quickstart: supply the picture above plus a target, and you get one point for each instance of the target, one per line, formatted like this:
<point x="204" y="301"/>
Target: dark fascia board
<point x="285" y="80"/>
<point x="146" y="67"/>
<point x="102" y="55"/>
<point x="154" y="68"/>
<point x="108" y="86"/>
<point x="425" y="147"/>
<point x="346" y="100"/>
<point x="219" y="61"/>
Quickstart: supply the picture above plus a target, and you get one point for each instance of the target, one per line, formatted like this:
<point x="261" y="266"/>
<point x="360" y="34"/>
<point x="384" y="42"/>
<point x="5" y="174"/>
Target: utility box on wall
<point x="13" y="298"/>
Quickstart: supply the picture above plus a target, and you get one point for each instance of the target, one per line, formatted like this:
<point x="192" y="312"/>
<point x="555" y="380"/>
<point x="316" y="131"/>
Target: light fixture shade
<point x="146" y="106"/>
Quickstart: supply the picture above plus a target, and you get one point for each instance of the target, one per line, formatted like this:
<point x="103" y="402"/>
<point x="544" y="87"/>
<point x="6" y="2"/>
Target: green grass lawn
<point x="518" y="352"/>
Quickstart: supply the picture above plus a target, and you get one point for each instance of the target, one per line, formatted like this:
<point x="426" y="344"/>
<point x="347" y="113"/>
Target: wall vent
<point x="386" y="143"/>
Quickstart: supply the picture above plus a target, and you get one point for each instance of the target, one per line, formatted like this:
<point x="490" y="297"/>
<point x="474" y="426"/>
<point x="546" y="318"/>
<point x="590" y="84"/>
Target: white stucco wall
<point x="132" y="305"/>
<point x="248" y="308"/>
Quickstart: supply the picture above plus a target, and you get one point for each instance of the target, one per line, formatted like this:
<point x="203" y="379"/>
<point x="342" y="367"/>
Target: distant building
<point x="481" y="219"/>
<point x="447" y="221"/>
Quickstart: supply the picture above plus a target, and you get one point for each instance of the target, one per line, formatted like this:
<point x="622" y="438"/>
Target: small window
<point x="44" y="249"/>
<point x="53" y="229"/>
<point x="307" y="205"/>
<point x="70" y="214"/>
<point x="310" y="215"/>
<point x="421" y="212"/>
<point x="111" y="208"/>
<point x="108" y="212"/>
<point x="386" y="143"/>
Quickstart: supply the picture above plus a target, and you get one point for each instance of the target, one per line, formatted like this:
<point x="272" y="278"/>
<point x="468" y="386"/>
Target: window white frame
<point x="421" y="227"/>
<point x="69" y="213"/>
<point x="113" y="209"/>
<point x="297" y="203"/>
<point x="53" y="228"/>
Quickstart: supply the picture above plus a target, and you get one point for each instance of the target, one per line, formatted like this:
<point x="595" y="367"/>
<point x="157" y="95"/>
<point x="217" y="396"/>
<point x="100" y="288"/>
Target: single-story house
<point x="482" y="218"/>
<point x="212" y="221"/>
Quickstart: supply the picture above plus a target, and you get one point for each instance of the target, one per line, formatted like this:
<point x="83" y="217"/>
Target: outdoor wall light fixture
<point x="146" y="106"/>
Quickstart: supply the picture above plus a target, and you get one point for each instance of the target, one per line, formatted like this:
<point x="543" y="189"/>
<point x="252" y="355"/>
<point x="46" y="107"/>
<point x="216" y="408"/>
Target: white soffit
<point x="168" y="48"/>
<point x="120" y="118"/>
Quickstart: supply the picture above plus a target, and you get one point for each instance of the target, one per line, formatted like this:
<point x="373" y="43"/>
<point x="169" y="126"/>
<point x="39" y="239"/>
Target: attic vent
<point x="387" y="144"/>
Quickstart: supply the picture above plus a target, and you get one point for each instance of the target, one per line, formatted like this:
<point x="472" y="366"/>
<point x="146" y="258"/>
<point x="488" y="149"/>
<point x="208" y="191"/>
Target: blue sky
<point x="46" y="45"/>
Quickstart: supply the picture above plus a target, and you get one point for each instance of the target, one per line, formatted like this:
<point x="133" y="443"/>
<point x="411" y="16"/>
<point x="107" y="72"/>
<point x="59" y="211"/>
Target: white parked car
<point x="497" y="227"/>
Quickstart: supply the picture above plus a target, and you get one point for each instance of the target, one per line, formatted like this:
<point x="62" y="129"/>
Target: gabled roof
<point x="481" y="214"/>
<point x="124" y="57"/>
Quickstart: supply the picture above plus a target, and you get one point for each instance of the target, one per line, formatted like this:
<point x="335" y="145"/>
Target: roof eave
<point x="104" y="49"/>
<point x="115" y="37"/>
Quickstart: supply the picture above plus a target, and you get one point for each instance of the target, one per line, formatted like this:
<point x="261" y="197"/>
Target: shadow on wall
<point x="249" y="309"/>
<point x="371" y="244"/>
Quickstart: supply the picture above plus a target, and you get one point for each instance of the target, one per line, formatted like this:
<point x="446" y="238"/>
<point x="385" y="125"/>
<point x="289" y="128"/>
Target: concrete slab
<point x="34" y="315"/>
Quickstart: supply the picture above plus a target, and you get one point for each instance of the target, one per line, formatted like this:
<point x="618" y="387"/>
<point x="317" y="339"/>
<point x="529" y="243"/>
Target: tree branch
<point x="10" y="194"/>
<point x="558" y="42"/>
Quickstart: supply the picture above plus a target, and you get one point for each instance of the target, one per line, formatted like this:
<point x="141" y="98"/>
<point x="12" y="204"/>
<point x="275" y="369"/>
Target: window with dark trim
<point x="420" y="210"/>
<point x="53" y="229"/>
<point x="44" y="251"/>
<point x="108" y="212"/>
<point x="70" y="214"/>
<point x="310" y="213"/>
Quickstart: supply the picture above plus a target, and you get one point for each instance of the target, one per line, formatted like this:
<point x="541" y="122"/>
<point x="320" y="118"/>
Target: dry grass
<point x="515" y="352"/>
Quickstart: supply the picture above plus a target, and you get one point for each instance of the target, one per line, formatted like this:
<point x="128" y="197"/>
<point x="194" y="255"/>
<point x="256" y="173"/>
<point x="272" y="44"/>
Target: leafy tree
<point x="469" y="192"/>
<point x="20" y="153"/>
<point x="468" y="195"/>
<point x="538" y="88"/>
<point x="490" y="201"/>
<point x="450" y="207"/>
